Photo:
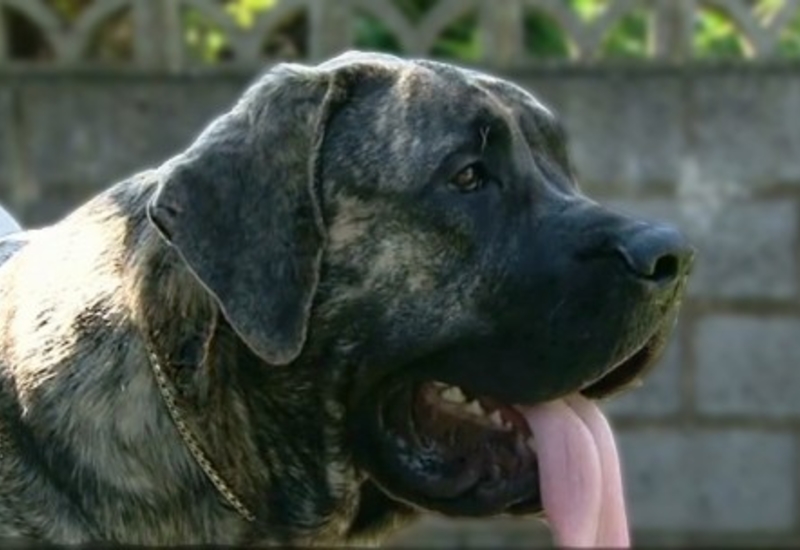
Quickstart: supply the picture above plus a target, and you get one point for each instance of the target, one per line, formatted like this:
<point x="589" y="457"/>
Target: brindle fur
<point x="89" y="451"/>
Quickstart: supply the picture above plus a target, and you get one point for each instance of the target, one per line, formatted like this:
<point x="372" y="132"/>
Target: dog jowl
<point x="376" y="291"/>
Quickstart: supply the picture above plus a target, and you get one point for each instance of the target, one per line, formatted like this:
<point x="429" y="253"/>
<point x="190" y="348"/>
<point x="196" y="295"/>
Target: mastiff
<point x="370" y="290"/>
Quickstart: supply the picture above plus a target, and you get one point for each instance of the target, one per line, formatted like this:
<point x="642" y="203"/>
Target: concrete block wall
<point x="710" y="442"/>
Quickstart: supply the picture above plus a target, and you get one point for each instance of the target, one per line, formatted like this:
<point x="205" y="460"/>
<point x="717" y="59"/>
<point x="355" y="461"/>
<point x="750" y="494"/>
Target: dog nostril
<point x="665" y="269"/>
<point x="660" y="269"/>
<point x="656" y="254"/>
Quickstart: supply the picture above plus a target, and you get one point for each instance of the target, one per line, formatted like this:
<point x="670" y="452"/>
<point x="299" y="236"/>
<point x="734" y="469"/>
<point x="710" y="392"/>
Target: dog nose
<point x="656" y="253"/>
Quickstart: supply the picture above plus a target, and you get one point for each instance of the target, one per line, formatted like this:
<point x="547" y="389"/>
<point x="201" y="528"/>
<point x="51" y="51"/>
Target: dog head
<point x="417" y="226"/>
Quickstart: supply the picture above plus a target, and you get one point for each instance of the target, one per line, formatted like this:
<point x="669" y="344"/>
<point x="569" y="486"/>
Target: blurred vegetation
<point x="714" y="35"/>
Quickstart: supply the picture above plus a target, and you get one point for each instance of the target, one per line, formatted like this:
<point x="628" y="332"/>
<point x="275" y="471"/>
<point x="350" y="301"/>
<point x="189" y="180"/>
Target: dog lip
<point x="628" y="373"/>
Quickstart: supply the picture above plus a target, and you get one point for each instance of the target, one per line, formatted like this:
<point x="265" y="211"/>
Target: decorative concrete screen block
<point x="158" y="37"/>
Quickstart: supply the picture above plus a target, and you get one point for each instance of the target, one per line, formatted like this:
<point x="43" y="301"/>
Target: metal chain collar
<point x="191" y="442"/>
<point x="188" y="438"/>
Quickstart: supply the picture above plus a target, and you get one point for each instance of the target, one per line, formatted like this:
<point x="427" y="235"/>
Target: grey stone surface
<point x="660" y="393"/>
<point x="746" y="249"/>
<point x="744" y="128"/>
<point x="731" y="132"/>
<point x="94" y="135"/>
<point x="57" y="202"/>
<point x="717" y="140"/>
<point x="6" y="151"/>
<point x="709" y="481"/>
<point x="438" y="532"/>
<point x="625" y="132"/>
<point x="748" y="365"/>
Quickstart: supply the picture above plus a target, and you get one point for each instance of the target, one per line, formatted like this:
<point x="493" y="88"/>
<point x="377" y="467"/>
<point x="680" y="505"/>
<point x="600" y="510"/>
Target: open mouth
<point x="450" y="449"/>
<point x="486" y="448"/>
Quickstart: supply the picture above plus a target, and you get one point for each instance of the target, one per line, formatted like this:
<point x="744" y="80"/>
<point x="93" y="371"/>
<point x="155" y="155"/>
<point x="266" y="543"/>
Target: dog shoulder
<point x="59" y="277"/>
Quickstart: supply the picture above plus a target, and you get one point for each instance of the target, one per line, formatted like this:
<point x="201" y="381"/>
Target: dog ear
<point x="241" y="208"/>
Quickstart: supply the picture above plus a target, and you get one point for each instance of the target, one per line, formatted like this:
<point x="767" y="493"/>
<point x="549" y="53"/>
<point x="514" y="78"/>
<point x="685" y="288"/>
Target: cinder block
<point x="748" y="365"/>
<point x="710" y="481"/>
<point x="744" y="127"/>
<point x="6" y="144"/>
<point x="624" y="130"/>
<point x="745" y="249"/>
<point x="97" y="133"/>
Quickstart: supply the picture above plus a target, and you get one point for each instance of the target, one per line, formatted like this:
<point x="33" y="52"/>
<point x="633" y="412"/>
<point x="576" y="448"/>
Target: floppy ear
<point x="240" y="207"/>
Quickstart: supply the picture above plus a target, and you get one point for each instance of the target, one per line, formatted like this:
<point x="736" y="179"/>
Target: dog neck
<point x="170" y="397"/>
<point x="275" y="435"/>
<point x="219" y="390"/>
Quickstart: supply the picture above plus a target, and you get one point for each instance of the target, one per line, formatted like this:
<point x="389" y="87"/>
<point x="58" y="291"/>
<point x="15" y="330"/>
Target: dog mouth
<point x="456" y="446"/>
<point x="450" y="449"/>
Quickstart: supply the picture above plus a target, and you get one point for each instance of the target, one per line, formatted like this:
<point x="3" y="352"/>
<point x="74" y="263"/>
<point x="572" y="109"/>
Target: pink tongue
<point x="579" y="473"/>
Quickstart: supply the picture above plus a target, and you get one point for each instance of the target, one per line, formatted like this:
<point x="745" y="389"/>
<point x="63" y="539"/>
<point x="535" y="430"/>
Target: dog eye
<point x="469" y="179"/>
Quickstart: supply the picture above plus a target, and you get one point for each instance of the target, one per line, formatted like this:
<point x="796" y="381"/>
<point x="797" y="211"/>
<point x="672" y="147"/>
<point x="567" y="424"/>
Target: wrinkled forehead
<point x="432" y="108"/>
<point x="415" y="113"/>
<point x="538" y="126"/>
<point x="439" y="106"/>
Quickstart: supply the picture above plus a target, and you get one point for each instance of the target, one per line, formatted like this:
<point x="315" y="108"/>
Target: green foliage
<point x="69" y="9"/>
<point x="244" y="12"/>
<point x="628" y="39"/>
<point x="715" y="35"/>
<point x="588" y="10"/>
<point x="543" y="38"/>
<point x="460" y="41"/>
<point x="207" y="41"/>
<point x="372" y="34"/>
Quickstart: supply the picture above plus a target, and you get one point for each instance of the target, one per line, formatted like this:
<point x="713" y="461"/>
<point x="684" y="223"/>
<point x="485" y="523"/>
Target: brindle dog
<point x="233" y="347"/>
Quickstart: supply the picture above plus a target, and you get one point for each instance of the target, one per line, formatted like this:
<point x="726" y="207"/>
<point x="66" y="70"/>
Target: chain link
<point x="188" y="438"/>
<point x="191" y="441"/>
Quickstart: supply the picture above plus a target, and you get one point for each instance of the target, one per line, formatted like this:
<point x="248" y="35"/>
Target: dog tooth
<point x="454" y="394"/>
<point x="475" y="408"/>
<point x="497" y="419"/>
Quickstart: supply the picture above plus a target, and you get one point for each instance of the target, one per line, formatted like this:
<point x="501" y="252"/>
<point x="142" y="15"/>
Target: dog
<point x="250" y="343"/>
